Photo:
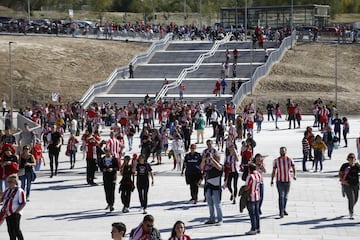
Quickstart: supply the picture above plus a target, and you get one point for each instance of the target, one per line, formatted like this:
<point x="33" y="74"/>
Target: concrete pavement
<point x="65" y="207"/>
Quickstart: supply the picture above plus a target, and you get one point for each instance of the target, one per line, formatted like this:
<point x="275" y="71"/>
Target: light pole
<point x="236" y="16"/>
<point x="11" y="87"/>
<point x="292" y="15"/>
<point x="336" y="74"/>
<point x="200" y="15"/>
<point x="153" y="12"/>
<point x="185" y="12"/>
<point x="246" y="18"/>
<point x="28" y="3"/>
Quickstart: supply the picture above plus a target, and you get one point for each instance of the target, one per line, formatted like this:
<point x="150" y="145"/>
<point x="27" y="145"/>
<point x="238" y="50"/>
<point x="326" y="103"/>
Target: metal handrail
<point x="123" y="71"/>
<point x="191" y="69"/>
<point x="263" y="70"/>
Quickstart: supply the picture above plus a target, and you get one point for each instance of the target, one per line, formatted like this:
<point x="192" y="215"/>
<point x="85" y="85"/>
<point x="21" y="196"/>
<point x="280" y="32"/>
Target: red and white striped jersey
<point x="283" y="167"/>
<point x="13" y="198"/>
<point x="114" y="145"/>
<point x="253" y="182"/>
<point x="231" y="163"/>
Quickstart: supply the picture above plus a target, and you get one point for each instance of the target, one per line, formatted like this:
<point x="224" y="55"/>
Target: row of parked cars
<point x="21" y="25"/>
<point x="347" y="32"/>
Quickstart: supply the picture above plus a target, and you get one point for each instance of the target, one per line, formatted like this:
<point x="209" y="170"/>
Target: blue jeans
<point x="213" y="198"/>
<point x="130" y="140"/>
<point x="283" y="190"/>
<point x="26" y="180"/>
<point x="261" y="186"/>
<point x="253" y="208"/>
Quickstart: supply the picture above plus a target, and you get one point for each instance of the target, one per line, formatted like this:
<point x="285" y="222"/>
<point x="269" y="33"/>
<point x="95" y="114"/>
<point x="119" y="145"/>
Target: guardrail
<point x="122" y="72"/>
<point x="263" y="70"/>
<point x="193" y="68"/>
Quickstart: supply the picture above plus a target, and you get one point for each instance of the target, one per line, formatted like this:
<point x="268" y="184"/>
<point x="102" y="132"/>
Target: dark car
<point x="330" y="30"/>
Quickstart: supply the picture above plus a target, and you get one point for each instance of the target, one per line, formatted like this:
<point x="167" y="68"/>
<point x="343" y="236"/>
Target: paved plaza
<point x="65" y="207"/>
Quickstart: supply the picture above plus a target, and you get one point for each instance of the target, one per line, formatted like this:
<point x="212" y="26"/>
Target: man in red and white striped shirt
<point x="114" y="145"/>
<point x="282" y="168"/>
<point x="13" y="202"/>
<point x="253" y="204"/>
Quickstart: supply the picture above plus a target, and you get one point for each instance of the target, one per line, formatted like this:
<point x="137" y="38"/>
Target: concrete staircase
<point x="177" y="55"/>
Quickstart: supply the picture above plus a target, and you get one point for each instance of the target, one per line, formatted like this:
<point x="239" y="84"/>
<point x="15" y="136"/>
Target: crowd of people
<point x="176" y="121"/>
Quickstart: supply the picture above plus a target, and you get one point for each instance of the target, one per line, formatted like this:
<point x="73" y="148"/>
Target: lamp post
<point x="236" y="16"/>
<point x="28" y="5"/>
<point x="200" y="15"/>
<point x="246" y="18"/>
<point x="11" y="87"/>
<point x="292" y="15"/>
<point x="336" y="74"/>
<point x="153" y="12"/>
<point x="185" y="17"/>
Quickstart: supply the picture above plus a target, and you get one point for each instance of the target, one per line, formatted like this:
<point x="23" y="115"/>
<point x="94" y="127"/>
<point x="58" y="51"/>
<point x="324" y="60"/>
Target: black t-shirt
<point x="351" y="173"/>
<point x="143" y="172"/>
<point x="192" y="163"/>
<point x="8" y="139"/>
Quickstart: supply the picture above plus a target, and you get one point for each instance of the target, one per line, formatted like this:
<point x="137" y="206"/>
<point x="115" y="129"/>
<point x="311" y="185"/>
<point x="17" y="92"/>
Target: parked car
<point x="330" y="30"/>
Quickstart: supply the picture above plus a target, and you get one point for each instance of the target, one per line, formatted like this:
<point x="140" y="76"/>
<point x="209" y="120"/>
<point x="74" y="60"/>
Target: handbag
<point x="21" y="172"/>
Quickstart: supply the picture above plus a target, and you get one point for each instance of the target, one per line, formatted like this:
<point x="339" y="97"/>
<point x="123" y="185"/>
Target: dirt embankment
<point x="307" y="72"/>
<point x="42" y="65"/>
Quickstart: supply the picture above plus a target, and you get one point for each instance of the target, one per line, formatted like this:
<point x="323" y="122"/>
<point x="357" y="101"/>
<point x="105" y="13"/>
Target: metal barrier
<point x="263" y="70"/>
<point x="193" y="68"/>
<point x="122" y="72"/>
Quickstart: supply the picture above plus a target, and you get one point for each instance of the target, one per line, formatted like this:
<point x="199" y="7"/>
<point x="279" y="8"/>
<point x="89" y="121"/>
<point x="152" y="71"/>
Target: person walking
<point x="306" y="150"/>
<point x="126" y="183"/>
<point x="282" y="167"/>
<point x="319" y="147"/>
<point x="329" y="139"/>
<point x="178" y="148"/>
<point x="109" y="166"/>
<point x="277" y="115"/>
<point x="232" y="171"/>
<point x="212" y="186"/>
<point x="13" y="201"/>
<point x="270" y="110"/>
<point x="346" y="129"/>
<point x="260" y="167"/>
<point x="199" y="127"/>
<point x="192" y="172"/>
<point x="223" y="85"/>
<point x="349" y="179"/>
<point x="26" y="171"/>
<point x="253" y="204"/>
<point x="71" y="149"/>
<point x="143" y="170"/>
<point x="131" y="71"/>
<point x="54" y="140"/>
